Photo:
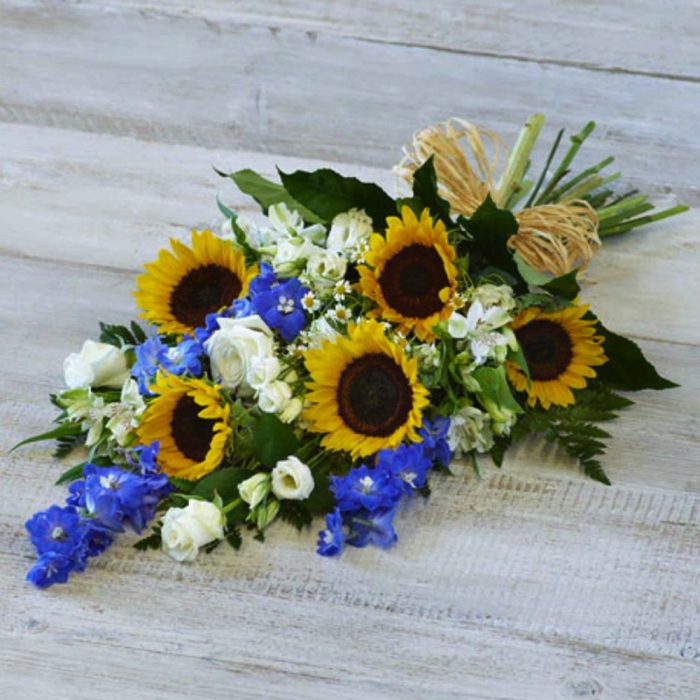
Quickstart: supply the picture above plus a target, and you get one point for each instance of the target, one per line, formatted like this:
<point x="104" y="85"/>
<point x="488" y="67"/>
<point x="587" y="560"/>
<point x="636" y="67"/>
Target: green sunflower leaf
<point x="266" y="193"/>
<point x="491" y="228"/>
<point x="273" y="440"/>
<point x="327" y="194"/>
<point x="627" y="369"/>
<point x="223" y="481"/>
<point x="426" y="195"/>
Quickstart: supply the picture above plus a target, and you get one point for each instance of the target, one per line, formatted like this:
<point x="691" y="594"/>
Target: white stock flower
<point x="349" y="230"/>
<point x="469" y="430"/>
<point x="292" y="480"/>
<point x="97" y="364"/>
<point x="275" y="397"/>
<point x="233" y="347"/>
<point x="254" y="489"/>
<point x="185" y="530"/>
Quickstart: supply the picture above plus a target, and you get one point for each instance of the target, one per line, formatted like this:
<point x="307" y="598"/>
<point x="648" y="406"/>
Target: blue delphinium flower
<point x="51" y="568"/>
<point x="55" y="530"/>
<point x="434" y="436"/>
<point x="373" y="527"/>
<point x="330" y="540"/>
<point x="152" y="356"/>
<point x="148" y="358"/>
<point x="183" y="357"/>
<point x="366" y="488"/>
<point x="409" y="463"/>
<point x="278" y="303"/>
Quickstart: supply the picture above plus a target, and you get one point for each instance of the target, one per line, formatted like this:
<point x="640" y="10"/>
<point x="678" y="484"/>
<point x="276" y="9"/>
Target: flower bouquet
<point x="331" y="356"/>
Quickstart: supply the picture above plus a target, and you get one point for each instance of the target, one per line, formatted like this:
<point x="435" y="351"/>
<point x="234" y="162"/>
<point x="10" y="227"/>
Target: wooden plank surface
<point x="529" y="584"/>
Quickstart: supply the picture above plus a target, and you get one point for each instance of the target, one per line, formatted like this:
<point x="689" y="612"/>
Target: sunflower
<point x="364" y="392"/>
<point x="561" y="349"/>
<point x="179" y="289"/>
<point x="190" y="419"/>
<point x="412" y="276"/>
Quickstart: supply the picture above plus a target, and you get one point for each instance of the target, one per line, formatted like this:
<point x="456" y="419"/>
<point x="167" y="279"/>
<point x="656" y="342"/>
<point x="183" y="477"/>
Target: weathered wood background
<point x="530" y="584"/>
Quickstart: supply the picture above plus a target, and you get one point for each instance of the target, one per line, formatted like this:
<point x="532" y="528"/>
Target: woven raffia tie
<point x="552" y="238"/>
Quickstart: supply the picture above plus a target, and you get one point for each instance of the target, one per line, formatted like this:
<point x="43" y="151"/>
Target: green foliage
<point x="321" y="499"/>
<point x="152" y="541"/>
<point x="182" y="485"/>
<point x="273" y="440"/>
<point x="327" y="194"/>
<point x="233" y="537"/>
<point x="426" y="195"/>
<point x="71" y="474"/>
<point x="627" y="369"/>
<point x="572" y="429"/>
<point x="495" y="387"/>
<point x="223" y="481"/>
<point x="64" y="430"/>
<point x="68" y="443"/>
<point x="491" y="228"/>
<point x="120" y="336"/>
<point x="267" y="193"/>
<point x="295" y="513"/>
<point x="499" y="449"/>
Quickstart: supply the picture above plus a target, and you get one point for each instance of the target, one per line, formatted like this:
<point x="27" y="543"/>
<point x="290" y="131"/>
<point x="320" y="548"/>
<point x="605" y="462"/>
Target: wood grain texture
<point x="636" y="36"/>
<point x="529" y="584"/>
<point x="282" y="91"/>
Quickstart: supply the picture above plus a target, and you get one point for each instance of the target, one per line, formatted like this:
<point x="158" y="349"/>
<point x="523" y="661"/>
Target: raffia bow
<point x="552" y="238"/>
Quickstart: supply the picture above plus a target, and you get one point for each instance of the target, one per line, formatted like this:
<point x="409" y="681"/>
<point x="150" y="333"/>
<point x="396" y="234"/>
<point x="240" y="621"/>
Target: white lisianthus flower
<point x="349" y="231"/>
<point x="292" y="480"/>
<point x="185" y="530"/>
<point x="490" y="295"/>
<point x="97" y="364"/>
<point x="292" y="254"/>
<point x="233" y="347"/>
<point x="470" y="429"/>
<point x="275" y="397"/>
<point x="262" y="371"/>
<point x="325" y="268"/>
<point x="253" y="490"/>
<point x="283" y="220"/>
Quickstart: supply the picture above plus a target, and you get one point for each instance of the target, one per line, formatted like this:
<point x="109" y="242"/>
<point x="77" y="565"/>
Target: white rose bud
<point x="292" y="410"/>
<point x="185" y="530"/>
<point x="262" y="371"/>
<point x="275" y="397"/>
<point x="254" y="489"/>
<point x="292" y="480"/>
<point x="234" y="346"/>
<point x="97" y="364"/>
<point x="326" y="267"/>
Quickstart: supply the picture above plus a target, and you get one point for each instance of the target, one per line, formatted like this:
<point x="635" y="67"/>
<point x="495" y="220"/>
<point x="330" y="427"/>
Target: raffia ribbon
<point x="552" y="238"/>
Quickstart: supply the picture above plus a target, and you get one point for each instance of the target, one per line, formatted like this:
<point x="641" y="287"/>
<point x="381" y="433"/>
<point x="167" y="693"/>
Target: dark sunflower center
<point x="374" y="396"/>
<point x="547" y="348"/>
<point x="203" y="291"/>
<point x="192" y="434"/>
<point x="411" y="281"/>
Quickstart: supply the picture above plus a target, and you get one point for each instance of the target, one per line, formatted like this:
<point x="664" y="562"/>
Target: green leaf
<point x="627" y="369"/>
<point x="529" y="274"/>
<point x="425" y="193"/>
<point x="498" y="451"/>
<point x="138" y="333"/>
<point x="223" y="481"/>
<point x="295" y="513"/>
<point x="69" y="443"/>
<point x="491" y="229"/>
<point x="119" y="336"/>
<point x="565" y="286"/>
<point x="228" y="213"/>
<point x="494" y="385"/>
<point x="321" y="499"/>
<point x="327" y="194"/>
<point x="267" y="193"/>
<point x="153" y="541"/>
<point x="234" y="537"/>
<point x="182" y="485"/>
<point x="273" y="440"/>
<point x="517" y="357"/>
<point x="62" y="431"/>
<point x="71" y="474"/>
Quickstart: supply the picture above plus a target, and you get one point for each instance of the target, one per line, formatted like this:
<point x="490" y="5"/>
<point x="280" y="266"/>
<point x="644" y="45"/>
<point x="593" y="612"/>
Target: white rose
<point x="492" y="295"/>
<point x="326" y="267"/>
<point x="97" y="364"/>
<point x="275" y="397"/>
<point x="292" y="480"/>
<point x="292" y="410"/>
<point x="185" y="530"/>
<point x="262" y="371"/>
<point x="349" y="230"/>
<point x="320" y="330"/>
<point x="253" y="490"/>
<point x="233" y="347"/>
